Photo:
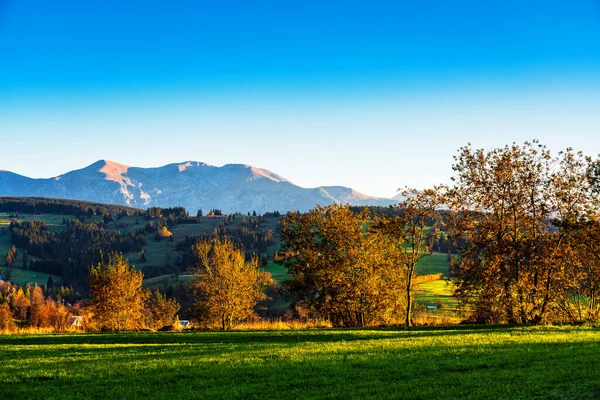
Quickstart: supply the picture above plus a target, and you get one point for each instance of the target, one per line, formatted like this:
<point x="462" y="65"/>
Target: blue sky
<point x="371" y="95"/>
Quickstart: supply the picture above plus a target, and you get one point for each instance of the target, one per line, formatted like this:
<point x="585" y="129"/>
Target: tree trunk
<point x="408" y="299"/>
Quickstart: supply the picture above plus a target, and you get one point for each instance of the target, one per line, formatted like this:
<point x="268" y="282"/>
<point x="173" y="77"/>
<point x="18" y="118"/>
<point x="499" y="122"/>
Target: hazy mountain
<point x="193" y="185"/>
<point x="399" y="197"/>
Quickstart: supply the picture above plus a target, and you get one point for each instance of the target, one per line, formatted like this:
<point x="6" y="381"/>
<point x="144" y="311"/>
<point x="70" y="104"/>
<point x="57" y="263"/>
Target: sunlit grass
<point x="430" y="292"/>
<point x="444" y="362"/>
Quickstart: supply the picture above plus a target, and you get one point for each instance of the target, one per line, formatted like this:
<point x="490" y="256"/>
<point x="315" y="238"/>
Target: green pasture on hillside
<point x="157" y="253"/>
<point x="162" y="282"/>
<point x="431" y="293"/>
<point x="160" y="253"/>
<point x="23" y="277"/>
<point x="278" y="272"/>
<point x="461" y="362"/>
<point x="50" y="219"/>
<point x="205" y="225"/>
<point x="5" y="245"/>
<point x="433" y="264"/>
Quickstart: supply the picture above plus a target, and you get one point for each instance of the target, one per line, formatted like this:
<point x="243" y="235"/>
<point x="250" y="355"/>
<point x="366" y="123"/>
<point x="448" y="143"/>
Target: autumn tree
<point x="117" y="294"/>
<point x="160" y="311"/>
<point x="412" y="228"/>
<point x="7" y="322"/>
<point x="50" y="314"/>
<point x="20" y="304"/>
<point x="36" y="296"/>
<point x="515" y="208"/>
<point x="11" y="256"/>
<point x="41" y="314"/>
<point x="46" y="313"/>
<point x="163" y="232"/>
<point x="59" y="316"/>
<point x="579" y="295"/>
<point x="226" y="287"/>
<point x="341" y="271"/>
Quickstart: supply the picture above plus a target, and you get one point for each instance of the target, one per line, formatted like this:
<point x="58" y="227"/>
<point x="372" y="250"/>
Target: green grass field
<point x="5" y="245"/>
<point x="206" y="225"/>
<point x="157" y="253"/>
<point x="22" y="277"/>
<point x="278" y="272"/>
<point x="429" y="293"/>
<point x="163" y="281"/>
<point x="50" y="219"/>
<point x="433" y="264"/>
<point x="428" y="363"/>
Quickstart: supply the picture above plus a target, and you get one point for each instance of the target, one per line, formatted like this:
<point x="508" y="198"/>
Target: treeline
<point x="525" y="225"/>
<point x="30" y="306"/>
<point x="61" y="309"/>
<point x="175" y="212"/>
<point x="41" y="205"/>
<point x="252" y="238"/>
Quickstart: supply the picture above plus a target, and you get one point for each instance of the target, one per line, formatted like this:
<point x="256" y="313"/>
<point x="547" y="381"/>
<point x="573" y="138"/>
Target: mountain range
<point x="193" y="185"/>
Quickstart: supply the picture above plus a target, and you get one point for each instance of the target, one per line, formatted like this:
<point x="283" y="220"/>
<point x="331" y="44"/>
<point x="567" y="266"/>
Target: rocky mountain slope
<point x="193" y="185"/>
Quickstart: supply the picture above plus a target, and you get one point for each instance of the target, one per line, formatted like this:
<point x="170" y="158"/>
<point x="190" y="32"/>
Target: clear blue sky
<point x="373" y="95"/>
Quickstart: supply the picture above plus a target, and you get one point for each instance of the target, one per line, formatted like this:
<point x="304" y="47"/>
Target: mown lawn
<point x="422" y="363"/>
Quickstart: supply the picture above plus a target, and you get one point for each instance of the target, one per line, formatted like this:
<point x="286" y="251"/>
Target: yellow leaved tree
<point x="226" y="287"/>
<point x="117" y="295"/>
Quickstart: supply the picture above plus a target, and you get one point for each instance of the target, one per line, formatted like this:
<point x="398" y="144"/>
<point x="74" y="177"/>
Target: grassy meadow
<point x="435" y="263"/>
<point x="420" y="363"/>
<point x="23" y="277"/>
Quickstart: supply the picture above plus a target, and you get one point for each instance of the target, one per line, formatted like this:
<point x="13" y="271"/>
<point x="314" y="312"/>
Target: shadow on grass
<point x="264" y="336"/>
<point x="557" y="369"/>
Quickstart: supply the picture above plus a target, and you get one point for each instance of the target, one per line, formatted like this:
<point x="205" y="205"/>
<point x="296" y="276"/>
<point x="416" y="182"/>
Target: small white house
<point x="184" y="324"/>
<point x="76" y="321"/>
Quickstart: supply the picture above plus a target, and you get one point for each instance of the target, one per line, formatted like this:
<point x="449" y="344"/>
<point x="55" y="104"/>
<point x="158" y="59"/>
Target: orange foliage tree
<point x="339" y="270"/>
<point x="517" y="210"/>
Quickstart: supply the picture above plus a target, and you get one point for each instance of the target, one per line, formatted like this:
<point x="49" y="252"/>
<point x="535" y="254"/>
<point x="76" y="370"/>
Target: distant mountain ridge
<point x="191" y="184"/>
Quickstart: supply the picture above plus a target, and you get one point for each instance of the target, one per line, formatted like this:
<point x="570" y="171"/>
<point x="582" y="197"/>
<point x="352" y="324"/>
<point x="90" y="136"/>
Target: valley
<point x="167" y="266"/>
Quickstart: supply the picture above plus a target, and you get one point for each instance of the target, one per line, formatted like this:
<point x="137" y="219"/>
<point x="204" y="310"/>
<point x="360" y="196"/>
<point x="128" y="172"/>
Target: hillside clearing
<point x="23" y="277"/>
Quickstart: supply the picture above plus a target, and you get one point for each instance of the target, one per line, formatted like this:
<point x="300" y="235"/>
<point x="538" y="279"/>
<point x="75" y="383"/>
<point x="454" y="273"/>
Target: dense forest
<point x="88" y="232"/>
<point x="70" y="252"/>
